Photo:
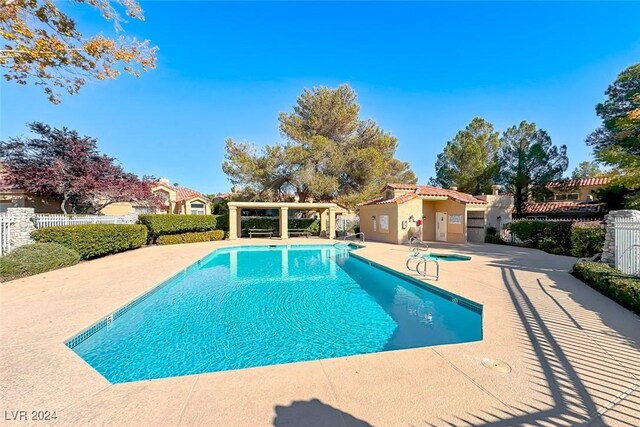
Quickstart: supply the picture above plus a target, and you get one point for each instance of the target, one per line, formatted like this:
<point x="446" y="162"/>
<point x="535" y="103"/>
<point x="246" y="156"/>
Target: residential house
<point x="176" y="200"/>
<point x="14" y="197"/>
<point x="569" y="199"/>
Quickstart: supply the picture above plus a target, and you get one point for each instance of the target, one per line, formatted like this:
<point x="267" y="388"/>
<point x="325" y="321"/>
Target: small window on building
<point x="384" y="223"/>
<point x="198" y="208"/>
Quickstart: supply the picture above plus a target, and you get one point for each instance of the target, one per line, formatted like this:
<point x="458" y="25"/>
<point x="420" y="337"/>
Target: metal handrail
<point x="355" y="235"/>
<point x="423" y="246"/>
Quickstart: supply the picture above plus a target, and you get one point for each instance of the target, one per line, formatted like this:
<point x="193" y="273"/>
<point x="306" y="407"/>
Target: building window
<point x="384" y="223"/>
<point x="197" y="208"/>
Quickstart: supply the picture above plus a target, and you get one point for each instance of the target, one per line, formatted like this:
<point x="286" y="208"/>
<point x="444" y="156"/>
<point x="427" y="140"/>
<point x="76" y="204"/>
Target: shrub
<point x="203" y="236"/>
<point x="161" y="224"/>
<point x="586" y="241"/>
<point x="310" y="224"/>
<point x="263" y="222"/>
<point x="36" y="258"/>
<point x="529" y="232"/>
<point x="222" y="221"/>
<point x="621" y="288"/>
<point x="558" y="236"/>
<point x="492" y="236"/>
<point x="94" y="240"/>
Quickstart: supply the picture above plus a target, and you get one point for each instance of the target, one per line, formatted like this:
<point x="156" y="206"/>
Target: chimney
<point x="495" y="189"/>
<point x="164" y="181"/>
<point x="453" y="188"/>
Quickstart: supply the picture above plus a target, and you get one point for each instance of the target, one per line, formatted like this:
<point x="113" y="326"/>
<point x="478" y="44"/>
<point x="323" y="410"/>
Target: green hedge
<point x="492" y="236"/>
<point x="161" y="224"/>
<point x="560" y="238"/>
<point x="36" y="258"/>
<point x="222" y="221"/>
<point x="529" y="232"/>
<point x="310" y="224"/>
<point x="203" y="236"/>
<point x="621" y="288"/>
<point x="586" y="241"/>
<point x="94" y="240"/>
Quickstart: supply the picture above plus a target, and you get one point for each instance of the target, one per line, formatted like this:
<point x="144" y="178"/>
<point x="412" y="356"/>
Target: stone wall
<point x="21" y="227"/>
<point x="609" y="247"/>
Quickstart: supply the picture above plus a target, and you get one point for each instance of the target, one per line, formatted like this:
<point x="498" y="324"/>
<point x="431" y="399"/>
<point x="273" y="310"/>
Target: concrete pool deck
<point x="574" y="354"/>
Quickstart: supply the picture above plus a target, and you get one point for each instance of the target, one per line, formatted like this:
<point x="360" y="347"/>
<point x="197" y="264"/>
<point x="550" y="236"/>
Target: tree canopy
<point x="617" y="141"/>
<point x="43" y="46"/>
<point x="61" y="164"/>
<point x="329" y="153"/>
<point x="586" y="169"/>
<point x="528" y="160"/>
<point x="469" y="161"/>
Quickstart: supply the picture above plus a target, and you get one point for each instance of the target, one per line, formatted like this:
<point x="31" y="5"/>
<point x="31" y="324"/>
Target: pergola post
<point x="332" y="223"/>
<point x="284" y="222"/>
<point x="323" y="221"/>
<point x="233" y="223"/>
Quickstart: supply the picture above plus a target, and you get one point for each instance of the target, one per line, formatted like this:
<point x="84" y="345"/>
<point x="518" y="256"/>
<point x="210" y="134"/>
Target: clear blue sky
<point x="421" y="70"/>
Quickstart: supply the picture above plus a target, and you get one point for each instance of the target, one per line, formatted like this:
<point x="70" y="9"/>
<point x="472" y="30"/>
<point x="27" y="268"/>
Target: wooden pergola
<point x="235" y="209"/>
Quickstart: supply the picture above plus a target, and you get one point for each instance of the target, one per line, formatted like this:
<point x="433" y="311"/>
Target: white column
<point x="332" y="223"/>
<point x="284" y="222"/>
<point x="233" y="223"/>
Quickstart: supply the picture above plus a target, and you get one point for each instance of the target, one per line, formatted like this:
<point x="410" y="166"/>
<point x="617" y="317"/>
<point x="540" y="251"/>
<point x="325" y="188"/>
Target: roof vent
<point x="453" y="188"/>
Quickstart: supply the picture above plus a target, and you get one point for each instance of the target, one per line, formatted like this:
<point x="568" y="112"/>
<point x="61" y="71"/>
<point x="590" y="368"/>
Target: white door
<point x="441" y="226"/>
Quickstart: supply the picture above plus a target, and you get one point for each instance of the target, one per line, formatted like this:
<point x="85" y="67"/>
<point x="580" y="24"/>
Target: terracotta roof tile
<point x="398" y="200"/>
<point x="581" y="182"/>
<point x="562" y="207"/>
<point x="183" y="193"/>
<point x="458" y="196"/>
<point x="424" y="190"/>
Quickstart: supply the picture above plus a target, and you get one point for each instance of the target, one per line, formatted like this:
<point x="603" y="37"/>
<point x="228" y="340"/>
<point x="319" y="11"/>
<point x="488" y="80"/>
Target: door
<point x="441" y="226"/>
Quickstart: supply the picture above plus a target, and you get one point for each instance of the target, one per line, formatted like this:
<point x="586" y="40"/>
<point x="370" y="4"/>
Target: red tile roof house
<point x="177" y="200"/>
<point x="569" y="199"/>
<point x="430" y="213"/>
<point x="14" y="197"/>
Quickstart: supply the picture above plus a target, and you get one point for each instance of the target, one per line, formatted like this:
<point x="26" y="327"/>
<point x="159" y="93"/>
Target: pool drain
<point x="496" y="365"/>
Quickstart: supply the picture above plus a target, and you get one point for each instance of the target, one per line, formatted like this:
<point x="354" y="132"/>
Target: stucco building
<point x="176" y="200"/>
<point x="424" y="211"/>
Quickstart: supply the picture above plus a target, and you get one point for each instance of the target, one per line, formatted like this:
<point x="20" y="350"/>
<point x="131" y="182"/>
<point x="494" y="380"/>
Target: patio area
<point x="574" y="354"/>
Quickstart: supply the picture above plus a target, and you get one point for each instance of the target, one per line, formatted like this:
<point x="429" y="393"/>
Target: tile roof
<point x="397" y="200"/>
<point x="183" y="193"/>
<point x="563" y="207"/>
<point x="423" y="190"/>
<point x="458" y="196"/>
<point x="581" y="182"/>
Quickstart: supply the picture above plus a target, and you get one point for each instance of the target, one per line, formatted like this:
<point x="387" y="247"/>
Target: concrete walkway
<point x="574" y="354"/>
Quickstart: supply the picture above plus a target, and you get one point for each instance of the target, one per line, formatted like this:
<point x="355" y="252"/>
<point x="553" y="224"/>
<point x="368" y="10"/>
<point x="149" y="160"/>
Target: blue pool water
<point x="253" y="306"/>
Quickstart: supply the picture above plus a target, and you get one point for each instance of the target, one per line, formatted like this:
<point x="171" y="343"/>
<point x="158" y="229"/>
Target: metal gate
<point x="627" y="245"/>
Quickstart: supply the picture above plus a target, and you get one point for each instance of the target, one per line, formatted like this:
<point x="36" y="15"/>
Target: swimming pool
<point x="250" y="306"/>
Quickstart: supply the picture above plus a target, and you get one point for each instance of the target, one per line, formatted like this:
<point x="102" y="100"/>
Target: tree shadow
<point x="314" y="413"/>
<point x="580" y="349"/>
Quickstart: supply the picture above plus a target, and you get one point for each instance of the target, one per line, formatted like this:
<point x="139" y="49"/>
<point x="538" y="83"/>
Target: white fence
<point x="56" y="220"/>
<point x="5" y="233"/>
<point x="627" y="245"/>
